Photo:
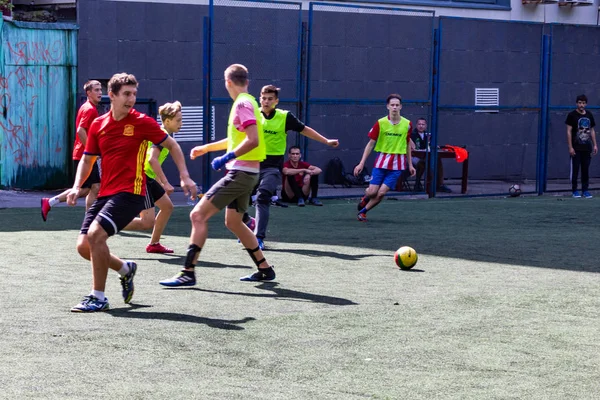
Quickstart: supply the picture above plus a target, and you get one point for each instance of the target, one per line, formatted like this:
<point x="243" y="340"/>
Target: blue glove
<point x="218" y="162"/>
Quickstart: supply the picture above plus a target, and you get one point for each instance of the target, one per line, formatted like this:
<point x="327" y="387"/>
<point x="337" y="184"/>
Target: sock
<point x="53" y="201"/>
<point x="191" y="256"/>
<point x="98" y="294"/>
<point x="363" y="211"/>
<point x="254" y="198"/>
<point x="274" y="198"/>
<point x="124" y="269"/>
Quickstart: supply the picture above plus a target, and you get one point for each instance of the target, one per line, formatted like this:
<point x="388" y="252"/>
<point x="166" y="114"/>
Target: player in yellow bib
<point x="390" y="136"/>
<point x="245" y="145"/>
<point x="158" y="188"/>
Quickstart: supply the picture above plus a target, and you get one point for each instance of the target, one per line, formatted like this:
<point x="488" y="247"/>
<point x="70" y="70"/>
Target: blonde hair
<point x="169" y="110"/>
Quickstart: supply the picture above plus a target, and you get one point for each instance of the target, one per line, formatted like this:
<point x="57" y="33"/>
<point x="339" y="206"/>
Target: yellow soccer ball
<point x="406" y="257"/>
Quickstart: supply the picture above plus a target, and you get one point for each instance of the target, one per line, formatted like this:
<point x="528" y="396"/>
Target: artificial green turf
<point x="503" y="304"/>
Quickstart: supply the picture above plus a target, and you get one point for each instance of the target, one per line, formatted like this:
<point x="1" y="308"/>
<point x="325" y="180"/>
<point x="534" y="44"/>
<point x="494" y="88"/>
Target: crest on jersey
<point x="128" y="131"/>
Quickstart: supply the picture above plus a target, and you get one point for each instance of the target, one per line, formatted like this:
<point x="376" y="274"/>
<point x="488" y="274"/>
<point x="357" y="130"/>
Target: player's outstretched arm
<point x="199" y="151"/>
<point x="187" y="184"/>
<point x="314" y="135"/>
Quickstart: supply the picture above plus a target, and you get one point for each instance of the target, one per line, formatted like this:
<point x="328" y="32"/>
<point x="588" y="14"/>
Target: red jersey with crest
<point x="122" y="146"/>
<point x="85" y="116"/>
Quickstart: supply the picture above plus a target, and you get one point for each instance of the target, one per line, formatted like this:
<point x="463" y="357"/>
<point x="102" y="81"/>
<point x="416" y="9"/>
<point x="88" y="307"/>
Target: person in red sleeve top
<point x="390" y="136"/>
<point x="120" y="137"/>
<point x="300" y="180"/>
<point x="85" y="116"/>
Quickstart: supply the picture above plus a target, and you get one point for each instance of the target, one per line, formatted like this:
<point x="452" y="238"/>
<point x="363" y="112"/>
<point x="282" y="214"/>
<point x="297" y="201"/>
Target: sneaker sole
<point x="89" y="311"/>
<point x="177" y="284"/>
<point x="257" y="280"/>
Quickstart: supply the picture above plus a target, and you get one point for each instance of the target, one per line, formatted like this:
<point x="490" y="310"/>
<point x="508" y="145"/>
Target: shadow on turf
<point x="318" y="253"/>
<point x="213" y="323"/>
<point x="281" y="293"/>
<point x="179" y="260"/>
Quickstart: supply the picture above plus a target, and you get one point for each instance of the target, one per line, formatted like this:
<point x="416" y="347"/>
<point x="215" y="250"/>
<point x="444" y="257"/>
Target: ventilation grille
<point x="193" y="125"/>
<point x="487" y="97"/>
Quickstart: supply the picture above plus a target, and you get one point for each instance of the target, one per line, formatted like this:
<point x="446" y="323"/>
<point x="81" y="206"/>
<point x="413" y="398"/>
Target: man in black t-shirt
<point x="420" y="140"/>
<point x="581" y="138"/>
<point x="276" y="124"/>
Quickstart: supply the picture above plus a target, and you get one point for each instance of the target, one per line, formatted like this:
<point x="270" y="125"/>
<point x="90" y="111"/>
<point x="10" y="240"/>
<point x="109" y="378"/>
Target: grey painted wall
<point x="161" y="44"/>
<point x="349" y="60"/>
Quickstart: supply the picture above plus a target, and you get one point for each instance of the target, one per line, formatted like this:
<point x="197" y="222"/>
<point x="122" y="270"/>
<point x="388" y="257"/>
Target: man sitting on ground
<point x="300" y="180"/>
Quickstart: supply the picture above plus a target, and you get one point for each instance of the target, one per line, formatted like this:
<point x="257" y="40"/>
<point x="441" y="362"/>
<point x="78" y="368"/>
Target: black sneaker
<point x="263" y="274"/>
<point x="278" y="203"/>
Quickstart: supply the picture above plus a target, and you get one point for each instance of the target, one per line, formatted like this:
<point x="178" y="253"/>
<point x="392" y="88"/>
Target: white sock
<point x="54" y="201"/>
<point x="98" y="294"/>
<point x="124" y="269"/>
<point x="274" y="198"/>
<point x="254" y="198"/>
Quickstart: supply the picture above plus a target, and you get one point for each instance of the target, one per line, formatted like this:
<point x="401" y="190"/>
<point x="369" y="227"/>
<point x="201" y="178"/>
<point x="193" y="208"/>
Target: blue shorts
<point x="386" y="176"/>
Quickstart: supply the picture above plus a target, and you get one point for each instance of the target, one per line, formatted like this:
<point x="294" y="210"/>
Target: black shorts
<point x="154" y="191"/>
<point x="113" y="213"/>
<point x="94" y="175"/>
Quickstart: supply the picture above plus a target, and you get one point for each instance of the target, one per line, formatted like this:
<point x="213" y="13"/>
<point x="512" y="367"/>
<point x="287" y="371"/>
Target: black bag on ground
<point x="335" y="173"/>
<point x="361" y="180"/>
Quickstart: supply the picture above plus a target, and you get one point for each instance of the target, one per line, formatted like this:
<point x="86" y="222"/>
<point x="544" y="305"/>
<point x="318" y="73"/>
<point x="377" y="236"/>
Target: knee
<point x="264" y="196"/>
<point x="83" y="247"/>
<point x="167" y="206"/>
<point x="197" y="217"/>
<point x="147" y="223"/>
<point x="96" y="235"/>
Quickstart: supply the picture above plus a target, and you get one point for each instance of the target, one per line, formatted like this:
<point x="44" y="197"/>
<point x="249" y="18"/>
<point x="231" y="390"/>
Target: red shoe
<point x="251" y="224"/>
<point x="45" y="207"/>
<point x="158" y="248"/>
<point x="362" y="217"/>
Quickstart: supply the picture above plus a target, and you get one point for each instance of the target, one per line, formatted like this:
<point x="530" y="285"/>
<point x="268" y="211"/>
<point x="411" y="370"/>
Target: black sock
<point x="191" y="255"/>
<point x="314" y="185"/>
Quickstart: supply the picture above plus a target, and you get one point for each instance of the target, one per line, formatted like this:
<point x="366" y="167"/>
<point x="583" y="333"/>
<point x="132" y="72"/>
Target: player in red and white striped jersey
<point x="390" y="136"/>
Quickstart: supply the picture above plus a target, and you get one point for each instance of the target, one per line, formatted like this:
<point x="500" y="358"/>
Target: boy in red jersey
<point x="85" y="116"/>
<point x="390" y="136"/>
<point x="121" y="138"/>
<point x="246" y="148"/>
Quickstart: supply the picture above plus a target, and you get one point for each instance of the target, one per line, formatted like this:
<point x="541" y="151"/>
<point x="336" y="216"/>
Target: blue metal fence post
<point x="206" y="92"/>
<point x="432" y="165"/>
<point x="543" y="126"/>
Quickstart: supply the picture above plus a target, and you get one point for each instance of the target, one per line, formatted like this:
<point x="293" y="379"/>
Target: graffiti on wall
<point x="35" y="101"/>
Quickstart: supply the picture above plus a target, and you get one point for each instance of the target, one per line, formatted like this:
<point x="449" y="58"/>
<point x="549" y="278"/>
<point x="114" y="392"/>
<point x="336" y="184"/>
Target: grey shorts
<point x="233" y="190"/>
<point x="270" y="178"/>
